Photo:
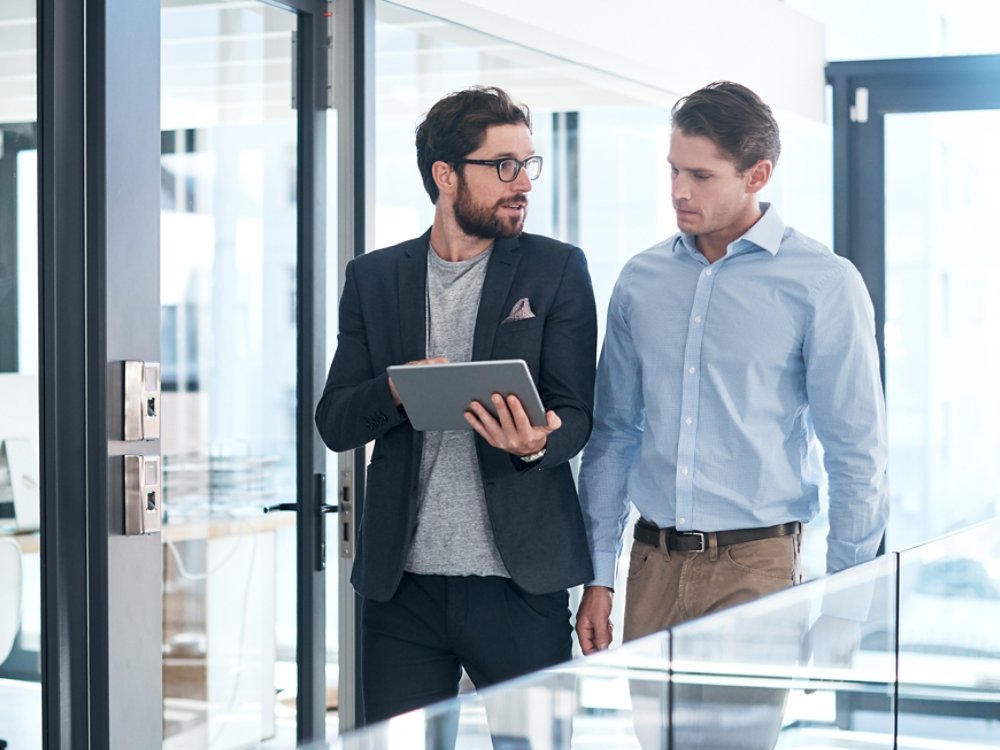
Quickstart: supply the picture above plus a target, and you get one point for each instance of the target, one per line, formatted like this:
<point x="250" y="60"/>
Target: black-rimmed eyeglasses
<point x="509" y="169"/>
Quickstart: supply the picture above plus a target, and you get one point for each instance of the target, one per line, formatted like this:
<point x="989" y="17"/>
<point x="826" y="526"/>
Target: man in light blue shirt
<point x="729" y="348"/>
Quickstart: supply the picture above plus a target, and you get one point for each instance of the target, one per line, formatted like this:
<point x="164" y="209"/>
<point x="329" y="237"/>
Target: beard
<point x="482" y="221"/>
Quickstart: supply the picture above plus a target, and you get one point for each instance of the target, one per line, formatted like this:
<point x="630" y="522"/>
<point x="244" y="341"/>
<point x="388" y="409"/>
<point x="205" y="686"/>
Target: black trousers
<point x="414" y="647"/>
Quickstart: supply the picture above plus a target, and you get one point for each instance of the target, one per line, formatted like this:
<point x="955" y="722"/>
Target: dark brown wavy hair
<point x="734" y="118"/>
<point x="456" y="126"/>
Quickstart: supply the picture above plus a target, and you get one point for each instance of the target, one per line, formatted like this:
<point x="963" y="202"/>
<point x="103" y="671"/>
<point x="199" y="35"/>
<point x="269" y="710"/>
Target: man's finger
<point x="585" y="634"/>
<point x="483" y="422"/>
<point x="503" y="413"/>
<point x="520" y="417"/>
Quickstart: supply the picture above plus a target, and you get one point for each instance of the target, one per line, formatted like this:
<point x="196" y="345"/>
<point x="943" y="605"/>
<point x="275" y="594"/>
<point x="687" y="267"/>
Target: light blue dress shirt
<point x="714" y="381"/>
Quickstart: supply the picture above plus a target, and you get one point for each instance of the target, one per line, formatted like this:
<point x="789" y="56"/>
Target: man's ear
<point x="759" y="175"/>
<point x="445" y="177"/>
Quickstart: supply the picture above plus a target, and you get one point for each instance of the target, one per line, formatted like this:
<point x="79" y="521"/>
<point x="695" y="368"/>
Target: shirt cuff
<point x="604" y="570"/>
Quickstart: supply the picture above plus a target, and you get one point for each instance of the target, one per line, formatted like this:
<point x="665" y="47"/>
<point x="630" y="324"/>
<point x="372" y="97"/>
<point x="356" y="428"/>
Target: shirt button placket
<point x="689" y="398"/>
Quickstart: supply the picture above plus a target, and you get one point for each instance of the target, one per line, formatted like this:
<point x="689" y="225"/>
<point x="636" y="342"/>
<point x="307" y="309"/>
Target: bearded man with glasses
<point x="468" y="538"/>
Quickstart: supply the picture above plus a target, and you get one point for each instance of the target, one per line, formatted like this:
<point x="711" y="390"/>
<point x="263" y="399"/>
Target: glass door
<point x="236" y="322"/>
<point x="942" y="318"/>
<point x="20" y="579"/>
<point x="915" y="194"/>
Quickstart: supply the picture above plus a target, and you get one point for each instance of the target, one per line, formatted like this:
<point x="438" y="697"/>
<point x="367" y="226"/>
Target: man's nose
<point x="522" y="182"/>
<point x="680" y="188"/>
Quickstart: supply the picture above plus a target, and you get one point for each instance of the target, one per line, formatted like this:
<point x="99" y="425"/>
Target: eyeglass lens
<point x="509" y="168"/>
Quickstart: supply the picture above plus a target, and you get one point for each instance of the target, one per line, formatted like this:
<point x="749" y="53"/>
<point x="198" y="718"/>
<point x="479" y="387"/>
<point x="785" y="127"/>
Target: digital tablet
<point x="436" y="396"/>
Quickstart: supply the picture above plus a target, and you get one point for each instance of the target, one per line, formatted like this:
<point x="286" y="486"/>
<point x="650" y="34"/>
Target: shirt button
<point x="697" y="318"/>
<point x="708" y="271"/>
<point x="688" y="420"/>
<point x="691" y="370"/>
<point x="682" y="520"/>
<point x="684" y="470"/>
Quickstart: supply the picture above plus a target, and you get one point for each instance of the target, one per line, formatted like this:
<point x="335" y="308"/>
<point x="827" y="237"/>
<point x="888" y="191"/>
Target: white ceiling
<point x="230" y="60"/>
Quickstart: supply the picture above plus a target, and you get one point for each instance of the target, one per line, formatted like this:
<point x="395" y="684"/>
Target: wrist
<point x="532" y="457"/>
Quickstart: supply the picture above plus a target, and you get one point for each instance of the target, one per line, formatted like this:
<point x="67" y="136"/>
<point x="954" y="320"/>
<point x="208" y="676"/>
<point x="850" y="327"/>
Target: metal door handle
<point x="324" y="508"/>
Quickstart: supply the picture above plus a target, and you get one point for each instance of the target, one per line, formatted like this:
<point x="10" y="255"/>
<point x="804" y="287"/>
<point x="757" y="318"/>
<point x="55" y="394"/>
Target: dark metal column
<point x="98" y="93"/>
<point x="354" y="100"/>
<point x="311" y="95"/>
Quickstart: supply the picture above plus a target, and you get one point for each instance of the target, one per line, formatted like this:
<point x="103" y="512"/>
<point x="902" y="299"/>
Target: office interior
<point x="182" y="184"/>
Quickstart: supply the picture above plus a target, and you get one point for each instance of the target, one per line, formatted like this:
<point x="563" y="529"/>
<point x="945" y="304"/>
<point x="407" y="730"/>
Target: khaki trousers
<point x="669" y="587"/>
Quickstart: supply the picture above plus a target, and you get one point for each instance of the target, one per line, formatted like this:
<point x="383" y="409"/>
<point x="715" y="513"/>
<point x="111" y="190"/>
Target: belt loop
<point x="665" y="543"/>
<point x="713" y="546"/>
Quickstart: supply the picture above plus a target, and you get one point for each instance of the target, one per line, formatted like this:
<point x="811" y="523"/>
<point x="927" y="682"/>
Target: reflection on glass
<point x="942" y="315"/>
<point x="949" y="645"/>
<point x="20" y="580"/>
<point x="605" y="185"/>
<point x="228" y="354"/>
<point x="812" y="666"/>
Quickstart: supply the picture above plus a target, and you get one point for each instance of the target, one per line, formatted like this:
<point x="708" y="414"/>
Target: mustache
<point x="518" y="198"/>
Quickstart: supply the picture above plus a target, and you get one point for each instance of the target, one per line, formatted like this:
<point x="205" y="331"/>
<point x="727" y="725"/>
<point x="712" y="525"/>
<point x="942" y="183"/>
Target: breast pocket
<point x="515" y="326"/>
<point x="520" y="339"/>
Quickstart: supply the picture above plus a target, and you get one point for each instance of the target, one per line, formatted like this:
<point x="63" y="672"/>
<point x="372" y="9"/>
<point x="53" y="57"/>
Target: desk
<point x="27" y="541"/>
<point x="219" y="642"/>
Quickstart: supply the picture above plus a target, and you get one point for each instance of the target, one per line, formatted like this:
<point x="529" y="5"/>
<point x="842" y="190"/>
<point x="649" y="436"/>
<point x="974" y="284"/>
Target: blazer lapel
<point x="496" y="288"/>
<point x="411" y="288"/>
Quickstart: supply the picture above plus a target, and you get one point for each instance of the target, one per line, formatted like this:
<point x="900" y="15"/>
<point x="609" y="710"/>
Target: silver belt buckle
<point x="699" y="534"/>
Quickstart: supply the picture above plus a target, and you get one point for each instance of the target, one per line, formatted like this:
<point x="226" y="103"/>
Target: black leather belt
<point x="698" y="541"/>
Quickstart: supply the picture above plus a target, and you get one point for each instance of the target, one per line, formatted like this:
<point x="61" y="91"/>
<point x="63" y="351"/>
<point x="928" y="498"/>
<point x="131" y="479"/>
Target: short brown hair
<point x="734" y="118"/>
<point x="456" y="126"/>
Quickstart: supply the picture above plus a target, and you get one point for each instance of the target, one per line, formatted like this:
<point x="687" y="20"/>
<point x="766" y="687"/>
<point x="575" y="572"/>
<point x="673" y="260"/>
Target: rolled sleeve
<point x="848" y="411"/>
<point x="615" y="442"/>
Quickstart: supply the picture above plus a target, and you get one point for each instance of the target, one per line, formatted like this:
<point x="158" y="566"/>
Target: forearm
<point x="348" y="417"/>
<point x="605" y="505"/>
<point x="566" y="381"/>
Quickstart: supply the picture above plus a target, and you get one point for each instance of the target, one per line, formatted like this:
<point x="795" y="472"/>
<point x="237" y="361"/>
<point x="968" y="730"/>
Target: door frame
<point x="99" y="161"/>
<point x="311" y="87"/>
<point x="98" y="90"/>
<point x="864" y="92"/>
<point x="354" y="100"/>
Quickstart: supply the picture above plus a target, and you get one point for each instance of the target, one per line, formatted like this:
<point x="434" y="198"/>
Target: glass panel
<point x="605" y="178"/>
<point x="812" y="666"/>
<point x="228" y="333"/>
<point x="941" y="313"/>
<point x="949" y="643"/>
<point x="20" y="580"/>
<point x="809" y="667"/>
<point x="587" y="703"/>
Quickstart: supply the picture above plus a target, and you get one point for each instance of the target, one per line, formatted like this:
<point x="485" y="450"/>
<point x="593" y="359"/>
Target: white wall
<point x="672" y="45"/>
<point x="19" y="406"/>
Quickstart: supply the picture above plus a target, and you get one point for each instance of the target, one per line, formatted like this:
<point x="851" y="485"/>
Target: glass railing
<point x="902" y="652"/>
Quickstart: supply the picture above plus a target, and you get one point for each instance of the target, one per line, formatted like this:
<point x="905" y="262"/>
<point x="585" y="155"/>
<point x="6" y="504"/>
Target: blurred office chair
<point x="10" y="599"/>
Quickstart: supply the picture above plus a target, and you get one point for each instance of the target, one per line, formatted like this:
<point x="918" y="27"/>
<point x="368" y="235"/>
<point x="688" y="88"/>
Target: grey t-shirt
<point x="454" y="535"/>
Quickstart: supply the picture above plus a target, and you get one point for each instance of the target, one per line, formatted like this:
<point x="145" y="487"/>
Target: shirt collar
<point x="766" y="234"/>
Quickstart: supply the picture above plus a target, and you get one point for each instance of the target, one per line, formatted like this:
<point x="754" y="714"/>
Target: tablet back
<point x="436" y="396"/>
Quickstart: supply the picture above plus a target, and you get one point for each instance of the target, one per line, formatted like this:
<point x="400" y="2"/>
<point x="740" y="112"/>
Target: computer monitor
<point x="19" y="483"/>
<point x="19" y="474"/>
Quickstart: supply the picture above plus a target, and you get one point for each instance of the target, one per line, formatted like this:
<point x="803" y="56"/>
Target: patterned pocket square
<point x="520" y="311"/>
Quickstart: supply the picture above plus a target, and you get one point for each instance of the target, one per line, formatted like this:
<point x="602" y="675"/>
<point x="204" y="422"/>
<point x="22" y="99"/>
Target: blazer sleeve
<point x="356" y="406"/>
<point x="569" y="356"/>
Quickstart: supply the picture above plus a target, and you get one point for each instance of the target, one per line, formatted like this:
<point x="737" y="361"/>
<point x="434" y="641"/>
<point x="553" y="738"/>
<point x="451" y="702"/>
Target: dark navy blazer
<point x="533" y="508"/>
